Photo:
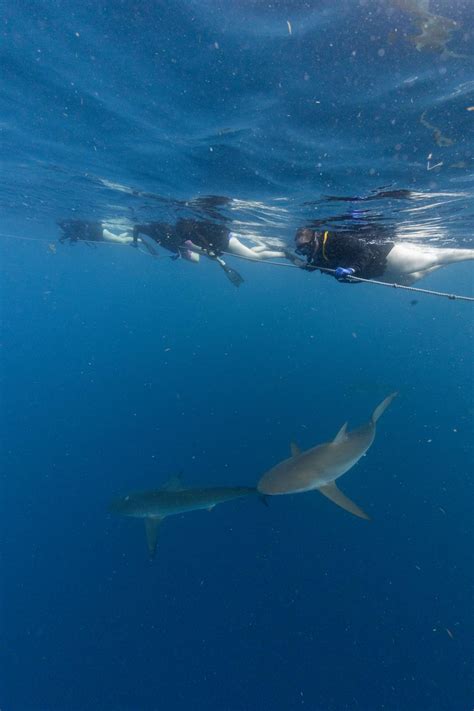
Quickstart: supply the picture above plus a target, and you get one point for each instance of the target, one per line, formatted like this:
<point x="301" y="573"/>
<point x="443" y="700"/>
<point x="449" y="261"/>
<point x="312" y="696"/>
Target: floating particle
<point x="354" y="334"/>
<point x="289" y="27"/>
<point x="52" y="248"/>
<point x="450" y="634"/>
<point x="437" y="135"/>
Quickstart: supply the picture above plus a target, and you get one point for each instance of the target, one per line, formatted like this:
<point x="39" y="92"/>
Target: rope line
<point x="390" y="285"/>
<point x="416" y="289"/>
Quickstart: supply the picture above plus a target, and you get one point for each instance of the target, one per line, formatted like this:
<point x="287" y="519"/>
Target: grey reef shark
<point x="156" y="505"/>
<point x="319" y="468"/>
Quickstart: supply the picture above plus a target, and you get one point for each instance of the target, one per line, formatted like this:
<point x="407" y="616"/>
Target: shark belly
<point x="317" y="467"/>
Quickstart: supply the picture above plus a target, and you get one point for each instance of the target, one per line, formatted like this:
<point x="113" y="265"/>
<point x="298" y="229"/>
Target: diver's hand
<point x="342" y="274"/>
<point x="291" y="257"/>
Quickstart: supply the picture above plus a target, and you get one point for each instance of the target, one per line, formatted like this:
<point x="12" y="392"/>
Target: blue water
<point x="119" y="370"/>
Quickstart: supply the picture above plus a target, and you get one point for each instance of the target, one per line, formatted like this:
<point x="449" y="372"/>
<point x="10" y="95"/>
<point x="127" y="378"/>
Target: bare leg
<point x="124" y="238"/>
<point x="408" y="263"/>
<point x="259" y="252"/>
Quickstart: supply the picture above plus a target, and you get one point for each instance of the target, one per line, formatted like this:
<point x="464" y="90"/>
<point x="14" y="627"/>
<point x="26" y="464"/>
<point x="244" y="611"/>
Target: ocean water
<point x="119" y="370"/>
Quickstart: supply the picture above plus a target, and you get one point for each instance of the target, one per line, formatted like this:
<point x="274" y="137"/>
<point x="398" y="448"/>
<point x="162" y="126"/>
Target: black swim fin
<point x="147" y="244"/>
<point x="233" y="276"/>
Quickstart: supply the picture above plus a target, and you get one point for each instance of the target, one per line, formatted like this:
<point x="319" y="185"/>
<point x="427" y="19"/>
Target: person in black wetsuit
<point x="371" y="256"/>
<point x="189" y="238"/>
<point x="345" y="253"/>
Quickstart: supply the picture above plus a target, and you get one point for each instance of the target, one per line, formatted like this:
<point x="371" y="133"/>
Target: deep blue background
<point x="119" y="370"/>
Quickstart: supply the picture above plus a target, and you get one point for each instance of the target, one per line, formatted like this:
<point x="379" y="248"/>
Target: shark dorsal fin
<point x="337" y="497"/>
<point x="341" y="435"/>
<point x="173" y="484"/>
<point x="295" y="450"/>
<point x="151" y="526"/>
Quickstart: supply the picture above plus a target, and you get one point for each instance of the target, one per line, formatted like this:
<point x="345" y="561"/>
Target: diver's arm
<point x="355" y="256"/>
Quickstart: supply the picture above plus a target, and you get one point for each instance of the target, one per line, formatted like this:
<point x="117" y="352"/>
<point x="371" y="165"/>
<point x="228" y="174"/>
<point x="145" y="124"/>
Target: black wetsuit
<point x="161" y="233"/>
<point x="75" y="230"/>
<point x="367" y="255"/>
<point x="209" y="236"/>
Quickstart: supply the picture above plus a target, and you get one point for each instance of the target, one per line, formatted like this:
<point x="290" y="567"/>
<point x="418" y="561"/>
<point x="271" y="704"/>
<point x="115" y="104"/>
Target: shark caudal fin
<point x="337" y="497"/>
<point x="380" y="409"/>
<point x="152" y="524"/>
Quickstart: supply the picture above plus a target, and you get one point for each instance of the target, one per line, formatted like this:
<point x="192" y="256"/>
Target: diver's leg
<point x="409" y="279"/>
<point x="190" y="251"/>
<point x="124" y="238"/>
<point x="411" y="258"/>
<point x="271" y="254"/>
<point x="259" y="248"/>
<point x="241" y="250"/>
<point x="442" y="256"/>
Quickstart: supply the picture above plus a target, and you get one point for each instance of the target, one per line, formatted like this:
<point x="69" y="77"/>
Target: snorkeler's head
<point x="306" y="241"/>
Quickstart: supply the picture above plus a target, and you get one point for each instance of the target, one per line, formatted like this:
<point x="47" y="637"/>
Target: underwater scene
<point x="237" y="355"/>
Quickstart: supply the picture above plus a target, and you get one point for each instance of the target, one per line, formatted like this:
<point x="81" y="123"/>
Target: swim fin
<point x="147" y="243"/>
<point x="232" y="275"/>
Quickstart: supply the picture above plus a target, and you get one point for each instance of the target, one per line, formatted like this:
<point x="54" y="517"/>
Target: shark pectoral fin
<point x="295" y="450"/>
<point x="209" y="508"/>
<point x="152" y="524"/>
<point x="341" y="435"/>
<point x="337" y="497"/>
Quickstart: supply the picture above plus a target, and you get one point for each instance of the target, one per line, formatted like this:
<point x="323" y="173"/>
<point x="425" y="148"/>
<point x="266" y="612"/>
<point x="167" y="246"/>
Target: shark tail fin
<point x="152" y="524"/>
<point x="380" y="409"/>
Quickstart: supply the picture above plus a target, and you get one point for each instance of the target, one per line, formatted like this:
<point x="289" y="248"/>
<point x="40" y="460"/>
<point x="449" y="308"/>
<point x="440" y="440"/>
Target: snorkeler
<point x="190" y="238"/>
<point x="369" y="256"/>
<point x="83" y="231"/>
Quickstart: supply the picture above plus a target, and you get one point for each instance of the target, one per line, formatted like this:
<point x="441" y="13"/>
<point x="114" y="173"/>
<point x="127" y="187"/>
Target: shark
<point x="318" y="468"/>
<point x="173" y="498"/>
